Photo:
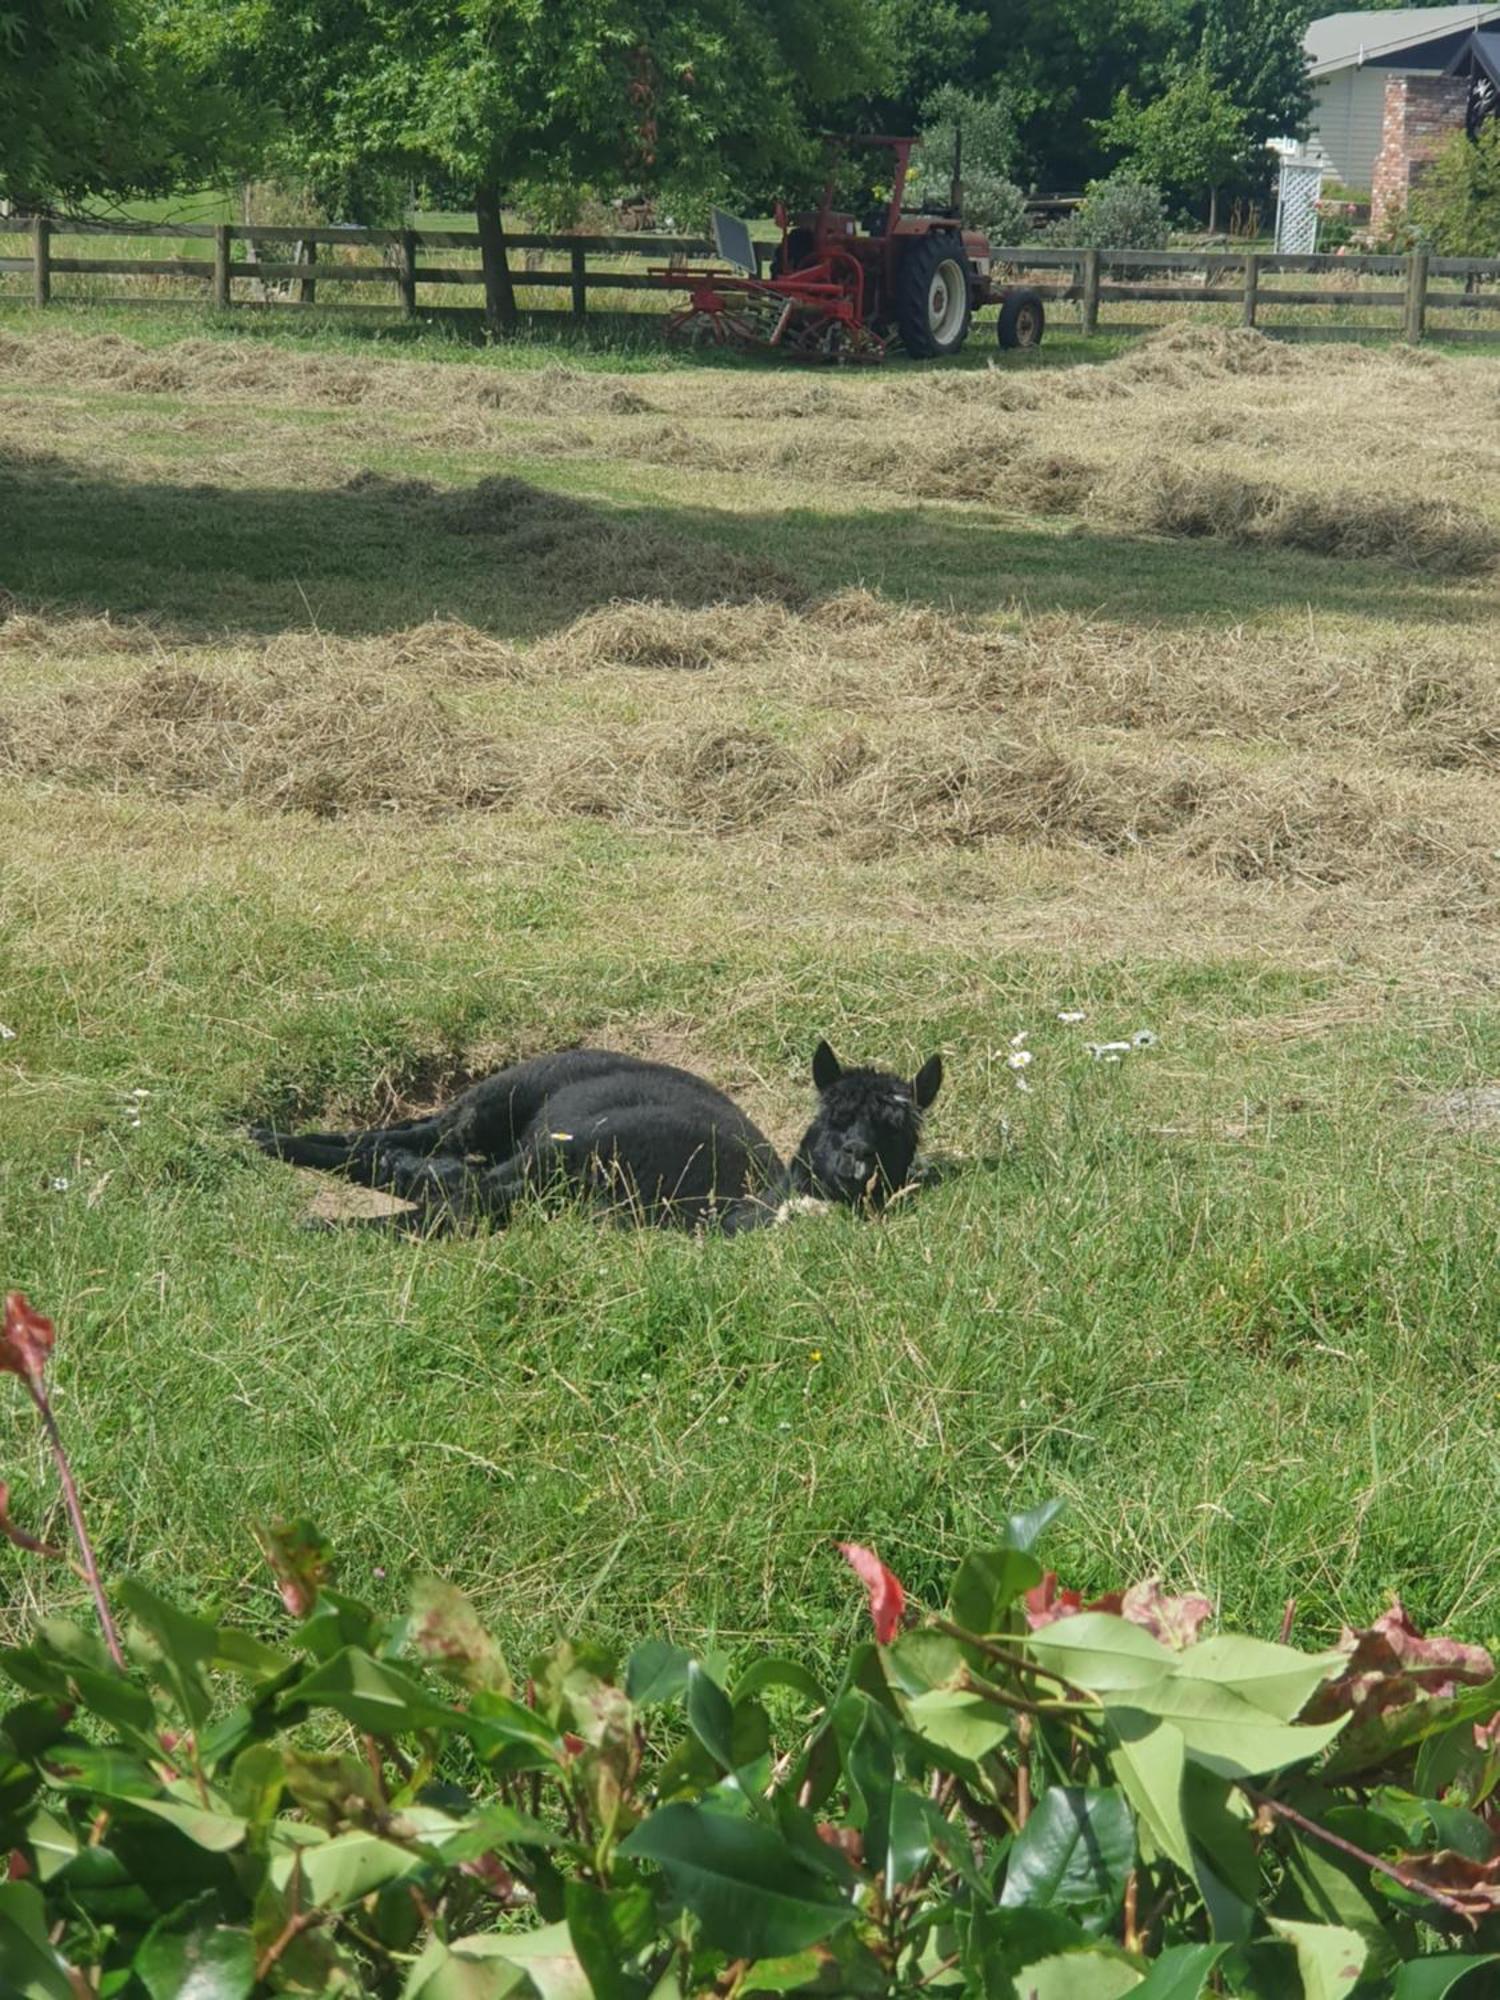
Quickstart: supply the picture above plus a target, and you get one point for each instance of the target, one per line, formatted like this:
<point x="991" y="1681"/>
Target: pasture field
<point x="370" y="717"/>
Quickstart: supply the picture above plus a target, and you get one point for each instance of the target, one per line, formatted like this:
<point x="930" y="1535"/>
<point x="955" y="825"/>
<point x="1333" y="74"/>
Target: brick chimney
<point x="1422" y="113"/>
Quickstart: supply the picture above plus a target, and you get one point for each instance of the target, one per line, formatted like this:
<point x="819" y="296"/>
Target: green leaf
<point x="609" y="1930"/>
<point x="117" y="1700"/>
<point x="339" y="1871"/>
<point x="1181" y="1973"/>
<point x="1332" y="1889"/>
<point x="99" y="1767"/>
<point x="1223" y="1731"/>
<point x="1148" y="1758"/>
<point x="1465" y="1832"/>
<point x="777" y="1672"/>
<point x="1024" y="1531"/>
<point x="181" y="1645"/>
<point x="1276" y="1679"/>
<point x="256" y="1781"/>
<point x="52" y="1841"/>
<point x="710" y="1716"/>
<point x="750" y="1893"/>
<point x="33" y="1970"/>
<point x="1101" y="1652"/>
<point x="216" y="1832"/>
<point x="960" y="1723"/>
<point x="656" y="1672"/>
<point x="870" y="1767"/>
<point x="548" y="1960"/>
<point x="247" y="1655"/>
<point x="1329" y="1958"/>
<point x="987" y="1584"/>
<point x="1102" y="1974"/>
<point x="1434" y="1978"/>
<point x="509" y="1736"/>
<point x="1075" y="1853"/>
<point x="1224" y="1858"/>
<point x="468" y="1970"/>
<point x="372" y="1695"/>
<point x="214" y="1963"/>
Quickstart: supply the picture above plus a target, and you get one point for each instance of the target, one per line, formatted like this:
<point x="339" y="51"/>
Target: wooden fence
<point x="1091" y="279"/>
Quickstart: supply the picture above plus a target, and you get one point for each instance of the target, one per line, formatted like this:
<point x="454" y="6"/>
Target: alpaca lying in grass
<point x="648" y="1142"/>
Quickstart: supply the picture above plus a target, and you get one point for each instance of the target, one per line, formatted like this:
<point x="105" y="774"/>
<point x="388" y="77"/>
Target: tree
<point x="90" y="103"/>
<point x="692" y="98"/>
<point x="986" y="127"/>
<point x="1457" y="204"/>
<point x="1189" y="138"/>
<point x="1063" y="63"/>
<point x="1253" y="51"/>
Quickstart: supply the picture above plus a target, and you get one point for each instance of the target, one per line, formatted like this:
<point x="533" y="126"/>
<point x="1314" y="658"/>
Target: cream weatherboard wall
<point x="1348" y="108"/>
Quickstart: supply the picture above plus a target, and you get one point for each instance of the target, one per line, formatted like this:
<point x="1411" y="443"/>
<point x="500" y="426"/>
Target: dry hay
<point x="712" y="779"/>
<point x="1183" y="354"/>
<point x="1162" y="497"/>
<point x="666" y="638"/>
<point x="342" y="741"/>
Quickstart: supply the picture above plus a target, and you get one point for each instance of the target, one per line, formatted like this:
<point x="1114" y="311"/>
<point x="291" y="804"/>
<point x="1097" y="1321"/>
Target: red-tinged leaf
<point x="26" y="1341"/>
<point x="1173" y="1620"/>
<point x="1487" y="1734"/>
<point x="887" y="1598"/>
<point x="301" y="1559"/>
<point x="1391" y="1665"/>
<point x="1474" y="1886"/>
<point x="19" y="1536"/>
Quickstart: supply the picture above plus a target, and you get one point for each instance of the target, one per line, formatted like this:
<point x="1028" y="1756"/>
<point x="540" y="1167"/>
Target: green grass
<point x="1233" y="1297"/>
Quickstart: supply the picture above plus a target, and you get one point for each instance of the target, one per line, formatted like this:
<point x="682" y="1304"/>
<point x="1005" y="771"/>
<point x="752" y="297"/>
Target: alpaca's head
<point x="861" y="1145"/>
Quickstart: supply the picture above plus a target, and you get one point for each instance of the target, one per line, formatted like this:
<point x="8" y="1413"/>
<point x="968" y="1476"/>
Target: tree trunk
<point x="1213" y="211"/>
<point x="499" y="292"/>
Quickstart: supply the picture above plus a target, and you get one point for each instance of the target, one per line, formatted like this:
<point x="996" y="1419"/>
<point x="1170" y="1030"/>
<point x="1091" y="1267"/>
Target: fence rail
<point x="1086" y="277"/>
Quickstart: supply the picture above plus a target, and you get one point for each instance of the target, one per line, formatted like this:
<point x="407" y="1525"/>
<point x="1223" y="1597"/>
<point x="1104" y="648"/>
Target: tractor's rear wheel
<point x="934" y="296"/>
<point x="1022" y="319"/>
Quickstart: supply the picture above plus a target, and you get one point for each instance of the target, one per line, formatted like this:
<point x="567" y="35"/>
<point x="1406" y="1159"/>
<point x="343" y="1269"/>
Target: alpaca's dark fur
<point x="652" y="1143"/>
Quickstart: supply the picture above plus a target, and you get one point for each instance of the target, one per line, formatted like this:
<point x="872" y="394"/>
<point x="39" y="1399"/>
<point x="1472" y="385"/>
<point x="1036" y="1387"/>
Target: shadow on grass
<point x="519" y="559"/>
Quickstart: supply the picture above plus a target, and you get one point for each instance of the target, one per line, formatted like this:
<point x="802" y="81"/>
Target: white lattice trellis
<point x="1297" y="208"/>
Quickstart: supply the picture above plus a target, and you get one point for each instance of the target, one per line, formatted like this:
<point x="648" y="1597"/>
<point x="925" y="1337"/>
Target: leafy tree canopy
<point x="1192" y="137"/>
<point x="92" y="101"/>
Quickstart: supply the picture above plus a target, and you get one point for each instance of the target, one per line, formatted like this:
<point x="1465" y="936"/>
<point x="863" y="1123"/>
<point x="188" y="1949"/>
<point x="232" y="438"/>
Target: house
<point x="1389" y="90"/>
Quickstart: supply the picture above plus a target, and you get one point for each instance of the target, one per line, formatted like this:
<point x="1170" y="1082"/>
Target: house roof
<point x="1480" y="51"/>
<point x="1342" y="41"/>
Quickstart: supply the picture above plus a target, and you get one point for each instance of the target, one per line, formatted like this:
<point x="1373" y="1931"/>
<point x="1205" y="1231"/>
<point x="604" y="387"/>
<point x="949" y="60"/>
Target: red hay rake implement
<point x="814" y="314"/>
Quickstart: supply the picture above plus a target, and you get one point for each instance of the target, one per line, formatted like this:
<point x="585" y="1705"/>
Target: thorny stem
<point x="1023" y="1771"/>
<point x="75" y="1515"/>
<point x="1390" y="1868"/>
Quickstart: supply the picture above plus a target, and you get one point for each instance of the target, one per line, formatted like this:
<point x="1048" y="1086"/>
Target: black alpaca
<point x="650" y="1142"/>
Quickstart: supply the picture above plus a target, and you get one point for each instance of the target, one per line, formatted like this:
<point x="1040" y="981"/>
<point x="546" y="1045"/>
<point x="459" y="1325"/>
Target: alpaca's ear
<point x="928" y="1081"/>
<point x="827" y="1069"/>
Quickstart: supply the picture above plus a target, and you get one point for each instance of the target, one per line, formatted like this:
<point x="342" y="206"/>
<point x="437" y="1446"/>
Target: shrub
<point x="992" y="201"/>
<point x="1457" y="205"/>
<point x="1116" y="214"/>
<point x="1020" y="1793"/>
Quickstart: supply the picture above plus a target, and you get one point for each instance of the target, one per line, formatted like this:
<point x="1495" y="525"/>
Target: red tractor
<point x="838" y="289"/>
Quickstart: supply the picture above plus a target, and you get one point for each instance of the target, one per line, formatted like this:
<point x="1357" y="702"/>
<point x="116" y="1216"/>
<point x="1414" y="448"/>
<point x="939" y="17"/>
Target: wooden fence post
<point x="406" y="271"/>
<point x="1089" y="302"/>
<point x="580" y="282"/>
<point x="221" y="267"/>
<point x="307" y="288"/>
<point x="1252" y="287"/>
<point x="1416" y="295"/>
<point x="41" y="259"/>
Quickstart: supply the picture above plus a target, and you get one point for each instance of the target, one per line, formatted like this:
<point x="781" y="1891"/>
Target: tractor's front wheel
<point x="1022" y="319"/>
<point x="933" y="296"/>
